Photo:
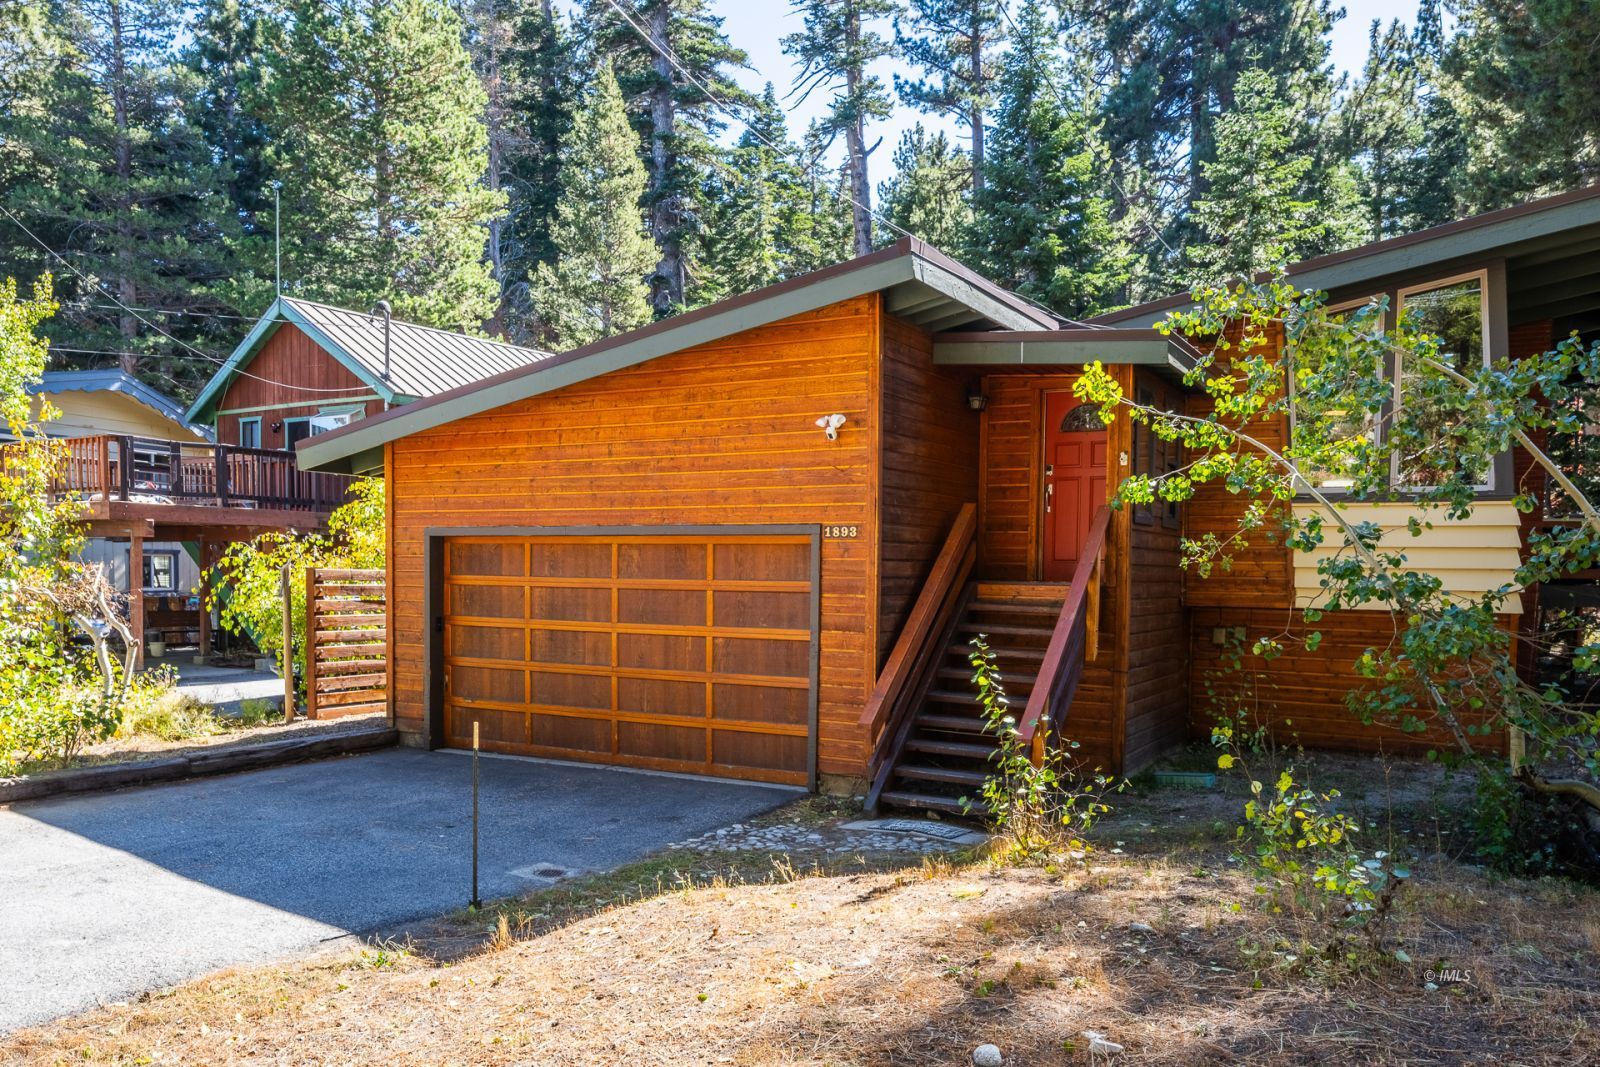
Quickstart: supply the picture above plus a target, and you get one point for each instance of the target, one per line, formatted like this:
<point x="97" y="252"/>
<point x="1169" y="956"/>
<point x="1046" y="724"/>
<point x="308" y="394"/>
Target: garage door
<point x="681" y="653"/>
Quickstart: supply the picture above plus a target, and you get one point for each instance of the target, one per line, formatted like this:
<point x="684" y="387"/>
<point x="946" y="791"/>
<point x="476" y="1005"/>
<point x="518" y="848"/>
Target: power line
<point x="184" y="312"/>
<point x="219" y="361"/>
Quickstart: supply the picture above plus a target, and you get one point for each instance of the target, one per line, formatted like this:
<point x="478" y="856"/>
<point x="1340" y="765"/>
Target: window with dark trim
<point x="250" y="432"/>
<point x="161" y="571"/>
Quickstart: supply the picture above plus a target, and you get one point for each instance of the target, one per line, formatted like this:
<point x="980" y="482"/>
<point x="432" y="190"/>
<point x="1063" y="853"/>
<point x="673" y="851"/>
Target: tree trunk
<point x="127" y="291"/>
<point x="856" y="139"/>
<point x="975" y="113"/>
<point x="666" y="287"/>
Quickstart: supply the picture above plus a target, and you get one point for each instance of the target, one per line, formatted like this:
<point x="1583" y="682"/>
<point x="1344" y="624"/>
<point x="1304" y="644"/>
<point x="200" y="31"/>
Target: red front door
<point x="1074" y="480"/>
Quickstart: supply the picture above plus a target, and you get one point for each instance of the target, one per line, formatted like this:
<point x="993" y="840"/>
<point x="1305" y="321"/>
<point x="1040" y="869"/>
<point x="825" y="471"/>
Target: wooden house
<point x="754" y="540"/>
<point x="166" y="491"/>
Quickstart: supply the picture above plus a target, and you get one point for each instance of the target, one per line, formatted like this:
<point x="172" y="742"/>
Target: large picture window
<point x="1456" y="312"/>
<point x="1346" y="429"/>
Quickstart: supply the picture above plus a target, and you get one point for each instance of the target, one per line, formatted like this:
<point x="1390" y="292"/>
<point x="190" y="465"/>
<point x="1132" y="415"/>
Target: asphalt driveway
<point x="105" y="896"/>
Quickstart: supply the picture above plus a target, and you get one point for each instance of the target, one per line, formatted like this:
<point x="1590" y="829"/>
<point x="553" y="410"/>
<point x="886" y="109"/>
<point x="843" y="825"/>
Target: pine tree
<point x="1257" y="210"/>
<point x="229" y="106"/>
<point x="953" y="41"/>
<point x="117" y="181"/>
<point x="674" y="115"/>
<point x="1170" y="71"/>
<point x="540" y="68"/>
<point x="835" y="51"/>
<point x="1526" y="83"/>
<point x="1043" y="218"/>
<point x="1380" y="127"/>
<point x="526" y="58"/>
<point x="381" y="146"/>
<point x="930" y="192"/>
<point x="597" y="286"/>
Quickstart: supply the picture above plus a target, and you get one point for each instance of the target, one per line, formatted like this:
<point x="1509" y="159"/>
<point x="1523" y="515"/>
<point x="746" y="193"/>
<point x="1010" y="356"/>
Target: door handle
<point x="1049" y="496"/>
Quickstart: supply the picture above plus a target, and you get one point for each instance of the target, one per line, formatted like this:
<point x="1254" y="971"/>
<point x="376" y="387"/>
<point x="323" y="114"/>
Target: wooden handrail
<point x="1079" y="614"/>
<point x="950" y="570"/>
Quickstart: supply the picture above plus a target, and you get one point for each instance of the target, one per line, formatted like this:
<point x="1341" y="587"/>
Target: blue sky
<point x="758" y="26"/>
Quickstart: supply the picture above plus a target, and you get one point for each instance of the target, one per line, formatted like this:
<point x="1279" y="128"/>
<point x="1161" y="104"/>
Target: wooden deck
<point x="108" y="470"/>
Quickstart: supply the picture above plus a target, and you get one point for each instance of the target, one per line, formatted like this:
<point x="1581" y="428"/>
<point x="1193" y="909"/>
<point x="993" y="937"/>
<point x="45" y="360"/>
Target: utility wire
<point x="219" y="361"/>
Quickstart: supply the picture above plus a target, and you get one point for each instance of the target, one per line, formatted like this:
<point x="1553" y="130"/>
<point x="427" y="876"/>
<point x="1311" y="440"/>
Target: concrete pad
<point x="105" y="896"/>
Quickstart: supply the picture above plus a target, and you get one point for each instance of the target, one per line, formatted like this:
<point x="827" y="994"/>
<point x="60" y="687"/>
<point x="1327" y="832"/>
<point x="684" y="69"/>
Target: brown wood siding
<point x="929" y="468"/>
<point x="1301" y="694"/>
<point x="292" y="365"/>
<point x="1009" y="519"/>
<point x="719" y="434"/>
<point x="1156" y="712"/>
<point x="1262" y="572"/>
<point x="1530" y="339"/>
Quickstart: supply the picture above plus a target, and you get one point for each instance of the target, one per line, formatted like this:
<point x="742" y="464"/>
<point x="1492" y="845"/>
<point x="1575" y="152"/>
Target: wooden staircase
<point x="946" y="754"/>
<point x="923" y="721"/>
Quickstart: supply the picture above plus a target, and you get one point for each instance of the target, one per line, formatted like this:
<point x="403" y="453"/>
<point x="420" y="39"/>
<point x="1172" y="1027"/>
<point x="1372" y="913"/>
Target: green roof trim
<point x="1009" y="348"/>
<point x="278" y="313"/>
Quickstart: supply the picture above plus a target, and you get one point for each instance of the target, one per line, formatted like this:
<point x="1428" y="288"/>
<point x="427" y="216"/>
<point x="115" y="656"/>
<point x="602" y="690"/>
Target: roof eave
<point x="332" y="451"/>
<point x="1136" y="347"/>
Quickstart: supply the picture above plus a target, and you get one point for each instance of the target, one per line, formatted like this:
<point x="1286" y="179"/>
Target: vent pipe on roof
<point x="382" y="308"/>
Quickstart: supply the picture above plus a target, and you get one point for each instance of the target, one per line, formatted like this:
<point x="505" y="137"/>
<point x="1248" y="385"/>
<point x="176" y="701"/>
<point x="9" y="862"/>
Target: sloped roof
<point x="920" y="285"/>
<point x="112" y="381"/>
<point x="1559" y="234"/>
<point x="423" y="360"/>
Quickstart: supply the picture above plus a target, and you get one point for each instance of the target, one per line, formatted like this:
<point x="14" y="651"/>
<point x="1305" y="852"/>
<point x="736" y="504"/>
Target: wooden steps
<point x="948" y="753"/>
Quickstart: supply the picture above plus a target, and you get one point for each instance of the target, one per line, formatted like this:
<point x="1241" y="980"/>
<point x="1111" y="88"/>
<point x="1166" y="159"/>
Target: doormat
<point x="955" y="835"/>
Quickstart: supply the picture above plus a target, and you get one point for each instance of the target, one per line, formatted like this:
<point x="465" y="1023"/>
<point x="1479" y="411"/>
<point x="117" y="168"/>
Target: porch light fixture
<point x="975" y="398"/>
<point x="276" y="427"/>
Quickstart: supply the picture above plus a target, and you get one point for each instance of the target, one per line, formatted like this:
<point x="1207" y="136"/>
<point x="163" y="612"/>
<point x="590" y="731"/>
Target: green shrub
<point x="1039" y="810"/>
<point x="156" y="708"/>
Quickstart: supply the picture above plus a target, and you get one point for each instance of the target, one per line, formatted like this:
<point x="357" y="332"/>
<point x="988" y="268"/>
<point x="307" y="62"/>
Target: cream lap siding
<point x="1471" y="556"/>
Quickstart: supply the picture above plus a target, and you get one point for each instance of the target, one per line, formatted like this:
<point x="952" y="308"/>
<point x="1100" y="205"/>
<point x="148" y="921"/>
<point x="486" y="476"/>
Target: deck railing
<point x="118" y="467"/>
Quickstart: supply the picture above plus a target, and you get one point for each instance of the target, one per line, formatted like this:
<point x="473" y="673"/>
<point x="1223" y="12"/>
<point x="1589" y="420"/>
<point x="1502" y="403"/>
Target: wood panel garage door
<point x="682" y="653"/>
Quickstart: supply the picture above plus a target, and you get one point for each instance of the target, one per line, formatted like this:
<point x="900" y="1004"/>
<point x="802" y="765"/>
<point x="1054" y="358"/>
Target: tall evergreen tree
<point x="382" y="150"/>
<point x="1257" y="210"/>
<point x="1527" y="83"/>
<point x="526" y="58"/>
<point x="597" y="285"/>
<point x="930" y="193"/>
<point x="834" y="53"/>
<point x="674" y="115"/>
<point x="954" y="43"/>
<point x="118" y="182"/>
<point x="1380" y="127"/>
<point x="1170" y="71"/>
<point x="541" y="76"/>
<point x="770" y="217"/>
<point x="1043" y="218"/>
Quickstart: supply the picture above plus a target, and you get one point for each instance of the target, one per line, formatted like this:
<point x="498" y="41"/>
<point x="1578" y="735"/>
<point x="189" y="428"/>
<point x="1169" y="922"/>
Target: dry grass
<point x="742" y="960"/>
<point x="189" y="729"/>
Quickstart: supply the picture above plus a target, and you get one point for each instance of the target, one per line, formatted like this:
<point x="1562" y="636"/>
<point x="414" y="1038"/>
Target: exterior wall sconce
<point x="975" y="398"/>
<point x="830" y="425"/>
<point x="276" y="427"/>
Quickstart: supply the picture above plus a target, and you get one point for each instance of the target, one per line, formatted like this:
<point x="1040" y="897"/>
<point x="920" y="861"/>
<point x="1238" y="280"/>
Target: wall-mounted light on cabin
<point x="975" y="398"/>
<point x="830" y="425"/>
<point x="277" y="427"/>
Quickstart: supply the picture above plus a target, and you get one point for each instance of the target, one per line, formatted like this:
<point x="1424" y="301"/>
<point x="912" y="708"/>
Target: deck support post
<point x="204" y="590"/>
<point x="136" y="597"/>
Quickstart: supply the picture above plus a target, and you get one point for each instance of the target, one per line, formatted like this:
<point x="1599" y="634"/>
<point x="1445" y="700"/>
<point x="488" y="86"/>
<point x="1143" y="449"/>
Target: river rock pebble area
<point x="920" y="836"/>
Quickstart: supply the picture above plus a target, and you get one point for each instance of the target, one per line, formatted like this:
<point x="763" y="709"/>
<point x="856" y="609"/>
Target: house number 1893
<point x="840" y="531"/>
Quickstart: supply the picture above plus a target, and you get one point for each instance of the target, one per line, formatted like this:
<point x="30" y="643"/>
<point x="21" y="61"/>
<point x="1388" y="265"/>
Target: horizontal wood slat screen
<point x="683" y="653"/>
<point x="346" y="651"/>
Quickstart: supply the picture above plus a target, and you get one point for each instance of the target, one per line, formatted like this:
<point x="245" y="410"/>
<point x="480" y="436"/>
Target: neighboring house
<point x="165" y="501"/>
<point x="91" y="403"/>
<point x="306" y="368"/>
<point x="755" y="539"/>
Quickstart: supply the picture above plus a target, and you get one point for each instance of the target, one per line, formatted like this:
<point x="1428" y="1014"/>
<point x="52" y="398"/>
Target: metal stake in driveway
<point x="476" y="903"/>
